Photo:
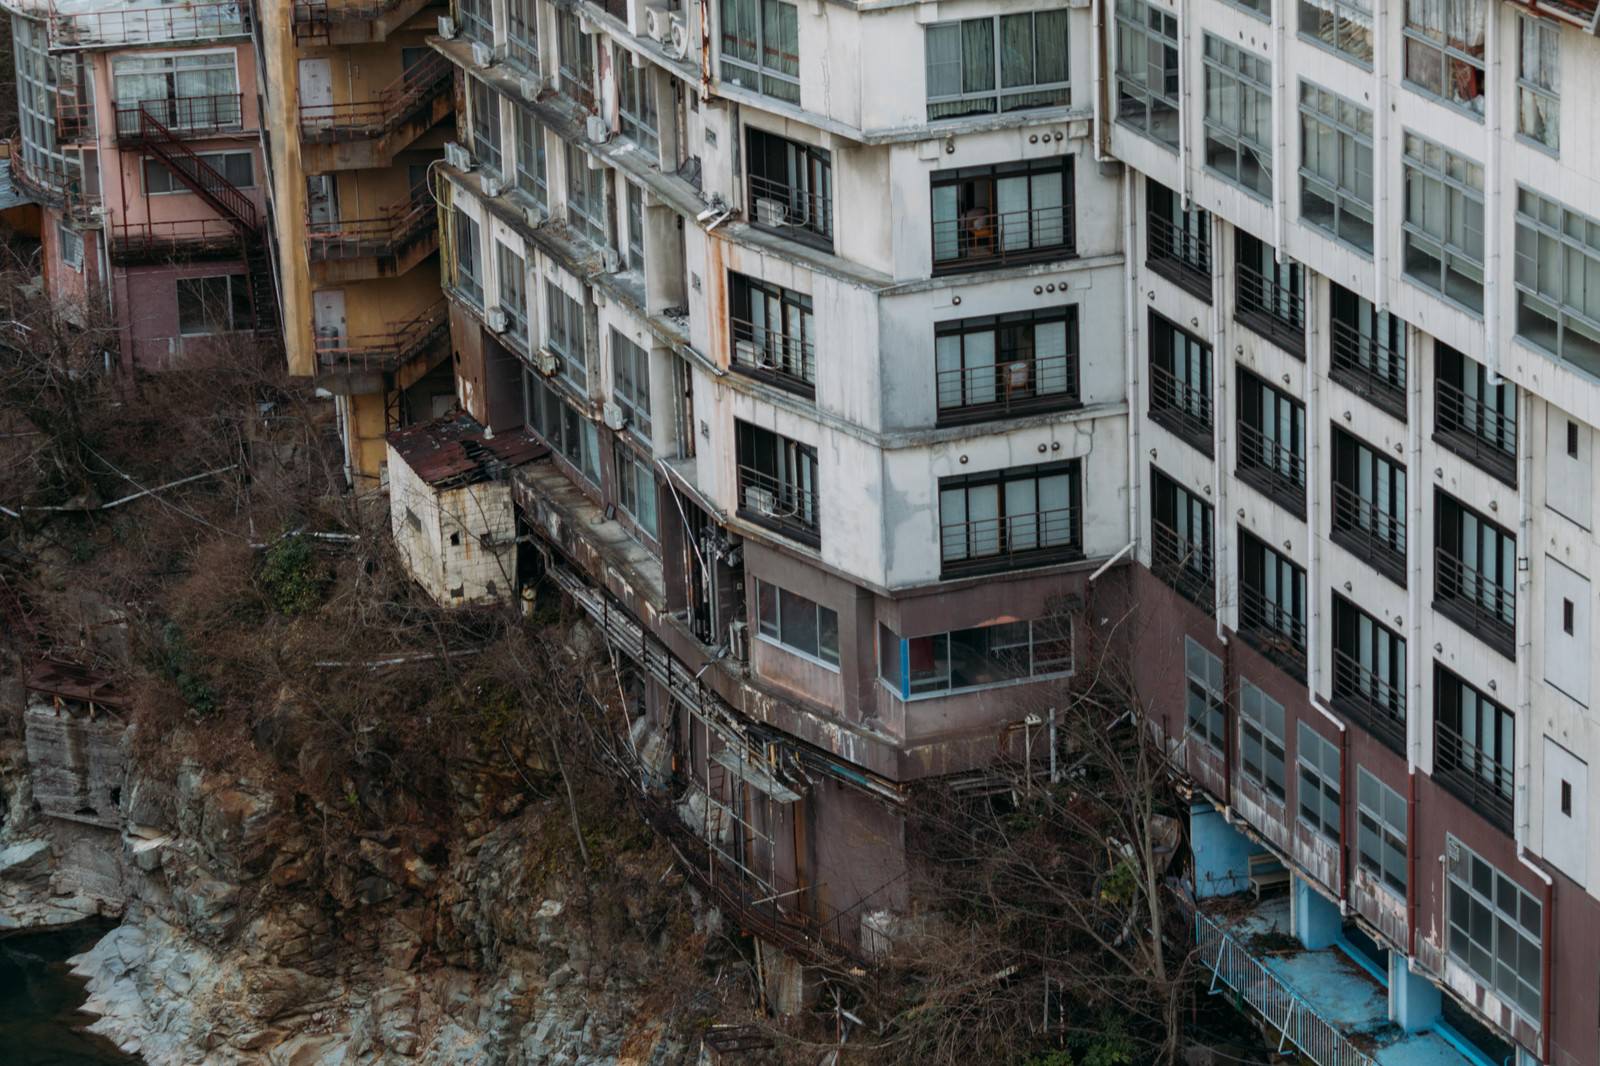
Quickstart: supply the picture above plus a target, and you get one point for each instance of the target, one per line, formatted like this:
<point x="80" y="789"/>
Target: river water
<point x="39" y="999"/>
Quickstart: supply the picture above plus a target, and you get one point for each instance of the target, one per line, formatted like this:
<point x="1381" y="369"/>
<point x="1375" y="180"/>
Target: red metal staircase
<point x="228" y="201"/>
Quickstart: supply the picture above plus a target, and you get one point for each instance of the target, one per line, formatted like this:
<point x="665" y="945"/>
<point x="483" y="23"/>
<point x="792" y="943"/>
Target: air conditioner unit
<point x="457" y="156"/>
<point x="492" y="185"/>
<point x="598" y="129"/>
<point x="530" y="88"/>
<point x="744" y="353"/>
<point x="739" y="640"/>
<point x="610" y="260"/>
<point x="447" y="27"/>
<point x="761" y="501"/>
<point x="771" y="212"/>
<point x="496" y="319"/>
<point x="534" y="217"/>
<point x="678" y="45"/>
<point x="482" y="54"/>
<point x="613" y="416"/>
<point x="658" y="24"/>
<point x="546" y="362"/>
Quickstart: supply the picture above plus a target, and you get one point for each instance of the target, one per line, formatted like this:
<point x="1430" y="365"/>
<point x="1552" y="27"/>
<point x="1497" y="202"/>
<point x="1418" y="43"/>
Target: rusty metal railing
<point x="389" y="348"/>
<point x="389" y="232"/>
<point x="396" y="102"/>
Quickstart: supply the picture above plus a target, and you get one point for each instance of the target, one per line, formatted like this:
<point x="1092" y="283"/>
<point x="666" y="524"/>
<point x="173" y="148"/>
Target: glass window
<point x="799" y="624"/>
<point x="1474" y="745"/>
<point x="1444" y="50"/>
<point x="791" y="187"/>
<point x="1148" y="91"/>
<point x="1181" y="549"/>
<point x="988" y="216"/>
<point x="636" y="106"/>
<point x="635" y="227"/>
<point x="1027" y="50"/>
<point x="1336" y="166"/>
<point x="1180" y="382"/>
<point x="985" y="656"/>
<point x="217" y="304"/>
<point x="1473" y="417"/>
<point x="1207" y="705"/>
<point x="576" y="53"/>
<point x="636" y="489"/>
<point x="70" y="241"/>
<point x="1558" y="254"/>
<point x="477" y="20"/>
<point x="522" y="34"/>
<point x="1272" y="604"/>
<point x="1001" y="517"/>
<point x="562" y="426"/>
<point x="1272" y="441"/>
<point x="513" y="291"/>
<point x="1369" y="672"/>
<point x="773" y="332"/>
<point x="1269" y="293"/>
<point x="778" y="482"/>
<point x="564" y="336"/>
<point x="1381" y="831"/>
<point x="1443" y="231"/>
<point x="181" y="92"/>
<point x="1343" y="25"/>
<point x="486" y="125"/>
<point x="1369" y="504"/>
<point x="1369" y="350"/>
<point x="468" y="258"/>
<point x="1318" y="762"/>
<point x="532" y="177"/>
<point x="1178" y="239"/>
<point x="761" y="47"/>
<point x="1475" y="572"/>
<point x="630" y="385"/>
<point x="1496" y="929"/>
<point x="992" y="366"/>
<point x="237" y="167"/>
<point x="1238" y="117"/>
<point x="586" y="196"/>
<point x="1539" y="81"/>
<point x="1261" y="732"/>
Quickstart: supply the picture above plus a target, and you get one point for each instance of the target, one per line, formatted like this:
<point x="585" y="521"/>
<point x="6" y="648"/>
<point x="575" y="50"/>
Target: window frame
<point x="638" y="495"/>
<point x="1205" y="703"/>
<point x="775" y="350"/>
<point x="1003" y="371"/>
<point x="1318" y="795"/>
<point x="1464" y="889"/>
<point x="217" y="161"/>
<point x="237" y="301"/>
<point x="1271" y="428"/>
<point x="1483" y="779"/>
<point x="638" y="113"/>
<point x="805" y="167"/>
<point x="468" y="263"/>
<point x="1375" y="807"/>
<point x="586" y="198"/>
<point x="630" y="383"/>
<point x="776" y="637"/>
<point x="1052" y="634"/>
<point x="1283" y="605"/>
<point x="1178" y="241"/>
<point x="1368" y="350"/>
<point x="530" y="147"/>
<point x="1345" y="127"/>
<point x="511" y="276"/>
<point x="560" y="425"/>
<point x="487" y="146"/>
<point x="1151" y="31"/>
<point x="1547" y="298"/>
<point x="1224" y="60"/>
<point x="1458" y="196"/>
<point x="1362" y="478"/>
<point x="1472" y="418"/>
<point x="1343" y="13"/>
<point x="1176" y="401"/>
<point x="564" y="334"/>
<point x="1048" y="536"/>
<point x="1540" y="87"/>
<point x="1176" y="516"/>
<point x="1259" y="713"/>
<point x="1369" y="673"/>
<point x="970" y="102"/>
<point x="978" y="239"/>
<point x="1437" y="42"/>
<point x="777" y="76"/>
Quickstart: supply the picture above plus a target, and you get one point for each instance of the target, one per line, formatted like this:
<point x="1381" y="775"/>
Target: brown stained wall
<point x="467" y="352"/>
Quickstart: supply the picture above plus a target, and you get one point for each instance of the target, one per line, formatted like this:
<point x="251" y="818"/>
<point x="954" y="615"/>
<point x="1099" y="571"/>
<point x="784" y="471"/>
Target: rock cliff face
<point x="247" y="935"/>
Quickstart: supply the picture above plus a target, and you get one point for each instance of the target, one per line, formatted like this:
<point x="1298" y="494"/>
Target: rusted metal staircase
<point x="229" y="201"/>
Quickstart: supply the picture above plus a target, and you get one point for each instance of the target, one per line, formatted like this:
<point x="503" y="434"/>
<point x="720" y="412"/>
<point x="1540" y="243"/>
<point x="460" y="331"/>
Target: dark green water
<point x="39" y="1023"/>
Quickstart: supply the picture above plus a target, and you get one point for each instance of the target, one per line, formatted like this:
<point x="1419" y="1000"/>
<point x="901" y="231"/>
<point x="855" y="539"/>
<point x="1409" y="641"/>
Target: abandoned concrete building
<point x="836" y="357"/>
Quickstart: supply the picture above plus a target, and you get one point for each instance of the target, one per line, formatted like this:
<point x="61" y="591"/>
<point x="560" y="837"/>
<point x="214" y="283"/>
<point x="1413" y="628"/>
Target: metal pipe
<point x="1280" y="132"/>
<point x="1414" y="549"/>
<point x="1219" y="434"/>
<point x="1124" y="550"/>
<point x="1313" y="472"/>
<point x="1380" y="201"/>
<point x="1096" y="61"/>
<point x="1494" y="223"/>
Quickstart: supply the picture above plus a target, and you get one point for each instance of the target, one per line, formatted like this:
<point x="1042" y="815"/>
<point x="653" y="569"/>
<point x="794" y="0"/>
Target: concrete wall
<point x="460" y="543"/>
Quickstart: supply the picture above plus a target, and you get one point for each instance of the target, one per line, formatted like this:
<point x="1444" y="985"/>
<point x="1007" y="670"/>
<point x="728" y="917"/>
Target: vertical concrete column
<point x="1314" y="918"/>
<point x="1414" y="1001"/>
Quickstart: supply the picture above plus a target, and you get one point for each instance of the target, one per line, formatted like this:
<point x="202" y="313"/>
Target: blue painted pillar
<point x="1221" y="853"/>
<point x="1414" y="1001"/>
<point x="1316" y="919"/>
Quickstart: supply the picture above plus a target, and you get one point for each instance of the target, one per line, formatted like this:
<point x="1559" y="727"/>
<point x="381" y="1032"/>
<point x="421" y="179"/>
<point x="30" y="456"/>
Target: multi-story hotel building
<point x="139" y="136"/>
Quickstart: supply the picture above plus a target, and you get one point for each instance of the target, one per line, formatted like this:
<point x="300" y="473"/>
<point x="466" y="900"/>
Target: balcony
<point x="1184" y="564"/>
<point x="156" y="24"/>
<point x="1180" y="407"/>
<point x="784" y="361"/>
<point x="388" y="244"/>
<point x="1369" y="532"/>
<point x="1475" y="778"/>
<point x="1272" y="309"/>
<point x="351" y="21"/>
<point x="1010" y="387"/>
<point x="779" y="505"/>
<point x="798" y="214"/>
<point x="368" y="133"/>
<point x="1010" y="542"/>
<point x="1369" y="368"/>
<point x="1272" y="630"/>
<point x="982" y="240"/>
<point x="75" y="120"/>
<point x="1477" y="603"/>
<point x="1181" y="257"/>
<point x="147" y="243"/>
<point x="56" y="188"/>
<point x="1369" y="700"/>
<point x="185" y="116"/>
<point x="1478" y="433"/>
<point x="1277" y="471"/>
<point x="388" y="350"/>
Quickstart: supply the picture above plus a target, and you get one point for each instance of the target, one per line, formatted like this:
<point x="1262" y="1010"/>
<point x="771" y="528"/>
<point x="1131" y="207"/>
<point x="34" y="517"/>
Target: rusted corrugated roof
<point x="457" y="450"/>
<point x="74" y="681"/>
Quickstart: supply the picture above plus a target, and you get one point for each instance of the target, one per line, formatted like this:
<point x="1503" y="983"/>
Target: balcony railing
<point x="780" y="505"/>
<point x="397" y="102"/>
<point x="1181" y="257"/>
<point x="389" y="233"/>
<point x="1370" y="368"/>
<point x="1273" y="630"/>
<point x="1013" y="386"/>
<point x="1480" y="781"/>
<point x="156" y="24"/>
<point x="1372" y="533"/>
<point x="157" y="242"/>
<point x="1276" y="470"/>
<point x="1034" y="538"/>
<point x="1184" y="564"/>
<point x="1479" y="603"/>
<point x="984" y="239"/>
<point x="1370" y="700"/>
<point x="1272" y="309"/>
<point x="57" y="188"/>
<point x="1476" y="432"/>
<point x="1180" y="407"/>
<point x="184" y="116"/>
<point x="1267" y="994"/>
<point x="798" y="213"/>
<point x="389" y="349"/>
<point x="311" y="12"/>
<point x="75" y="120"/>
<point x="770" y="354"/>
